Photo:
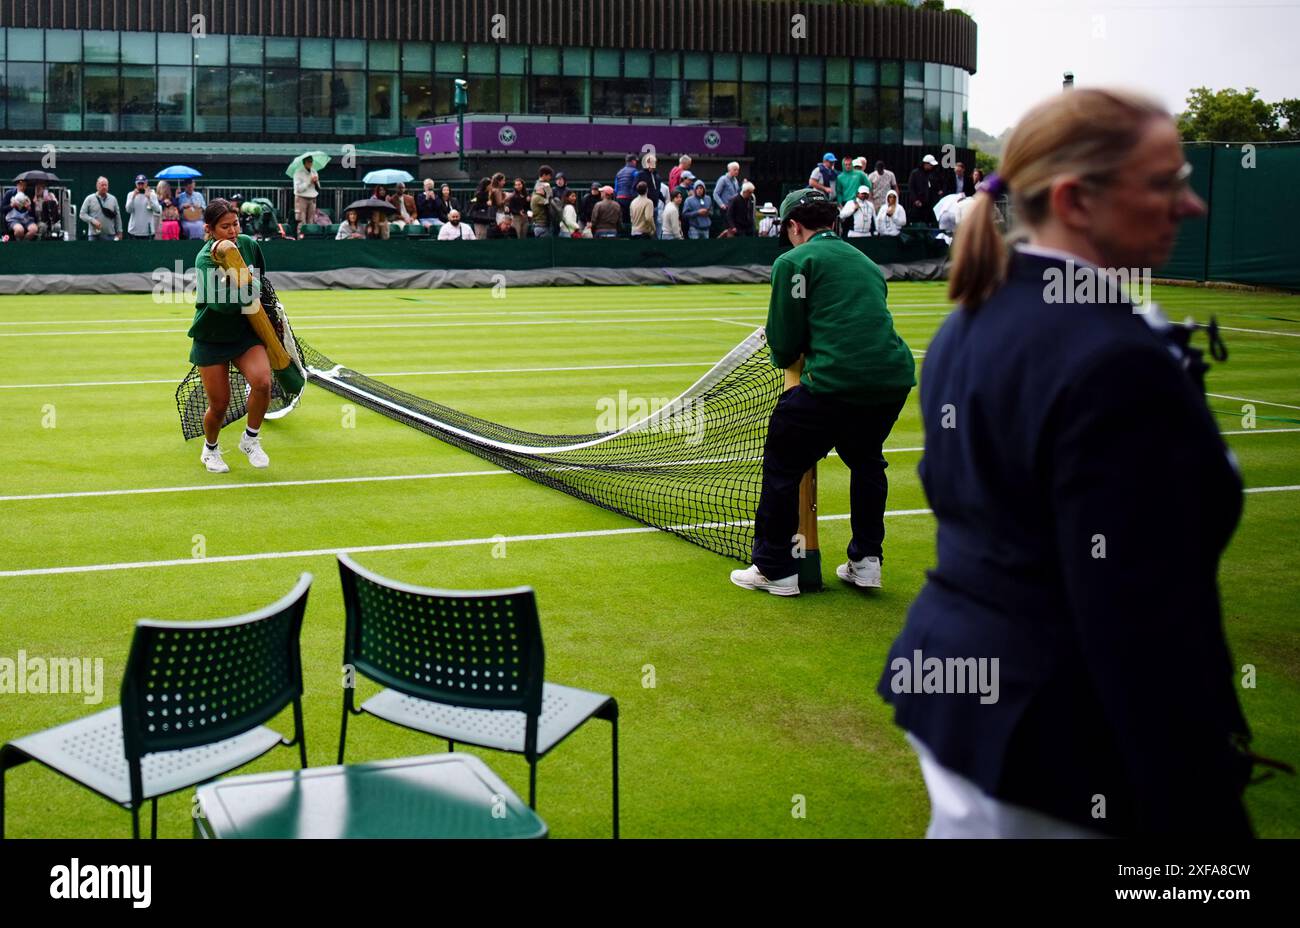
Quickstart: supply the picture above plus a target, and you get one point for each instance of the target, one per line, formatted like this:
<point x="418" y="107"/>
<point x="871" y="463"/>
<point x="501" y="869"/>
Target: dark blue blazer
<point x="1069" y="428"/>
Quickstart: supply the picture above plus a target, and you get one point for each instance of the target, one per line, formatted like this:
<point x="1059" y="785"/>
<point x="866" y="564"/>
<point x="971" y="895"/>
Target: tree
<point x="1288" y="112"/>
<point x="1228" y="116"/>
<point x="985" y="162"/>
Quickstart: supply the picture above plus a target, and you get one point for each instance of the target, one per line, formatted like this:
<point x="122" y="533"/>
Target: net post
<point x="810" y="564"/>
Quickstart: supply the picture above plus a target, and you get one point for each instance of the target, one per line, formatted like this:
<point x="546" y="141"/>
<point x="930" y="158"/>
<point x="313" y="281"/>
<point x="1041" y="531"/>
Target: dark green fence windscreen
<point x="1249" y="235"/>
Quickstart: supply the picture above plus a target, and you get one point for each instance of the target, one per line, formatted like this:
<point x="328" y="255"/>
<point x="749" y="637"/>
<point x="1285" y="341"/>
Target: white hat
<point x="929" y="159"/>
<point x="859" y="161"/>
<point x="767" y="208"/>
<point x="864" y="189"/>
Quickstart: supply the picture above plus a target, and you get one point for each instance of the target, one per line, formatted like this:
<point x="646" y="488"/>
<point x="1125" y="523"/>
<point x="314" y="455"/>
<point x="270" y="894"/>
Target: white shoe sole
<point x="222" y="468"/>
<point x="842" y="571"/>
<point x="774" y="590"/>
<point x="265" y="462"/>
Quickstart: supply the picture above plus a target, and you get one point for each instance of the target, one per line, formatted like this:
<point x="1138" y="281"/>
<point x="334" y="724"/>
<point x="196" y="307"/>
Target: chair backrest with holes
<point x="193" y="683"/>
<point x="480" y="649"/>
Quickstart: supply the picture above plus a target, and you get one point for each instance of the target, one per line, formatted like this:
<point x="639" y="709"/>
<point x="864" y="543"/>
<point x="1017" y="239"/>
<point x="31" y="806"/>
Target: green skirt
<point x="204" y="353"/>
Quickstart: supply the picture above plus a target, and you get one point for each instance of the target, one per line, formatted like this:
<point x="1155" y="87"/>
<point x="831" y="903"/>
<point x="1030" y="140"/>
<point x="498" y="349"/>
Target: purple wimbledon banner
<point x="580" y="136"/>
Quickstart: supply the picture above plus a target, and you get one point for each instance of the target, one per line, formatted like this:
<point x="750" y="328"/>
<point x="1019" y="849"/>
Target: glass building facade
<point x="142" y="83"/>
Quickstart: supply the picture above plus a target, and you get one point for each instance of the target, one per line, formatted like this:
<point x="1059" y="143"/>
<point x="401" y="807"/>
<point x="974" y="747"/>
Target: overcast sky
<point x="1165" y="47"/>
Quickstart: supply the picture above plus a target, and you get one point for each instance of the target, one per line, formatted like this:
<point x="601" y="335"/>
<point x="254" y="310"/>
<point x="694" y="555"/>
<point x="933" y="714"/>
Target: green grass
<point x="756" y="699"/>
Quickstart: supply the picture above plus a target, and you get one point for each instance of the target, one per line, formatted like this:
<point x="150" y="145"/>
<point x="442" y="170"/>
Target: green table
<point x="435" y="796"/>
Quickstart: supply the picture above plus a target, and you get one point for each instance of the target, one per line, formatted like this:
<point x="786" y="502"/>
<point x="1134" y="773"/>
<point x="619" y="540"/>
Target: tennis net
<point x="694" y="467"/>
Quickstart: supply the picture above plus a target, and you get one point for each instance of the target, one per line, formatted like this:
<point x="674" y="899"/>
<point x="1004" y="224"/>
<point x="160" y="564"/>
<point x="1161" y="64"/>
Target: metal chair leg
<point x="343" y="734"/>
<point x="614" y="764"/>
<point x="153" y="818"/>
<point x="532" y="785"/>
<point x="135" y="822"/>
<point x="451" y="746"/>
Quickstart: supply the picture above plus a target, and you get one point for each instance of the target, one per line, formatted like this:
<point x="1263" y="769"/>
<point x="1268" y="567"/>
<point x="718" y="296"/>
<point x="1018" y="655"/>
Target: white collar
<point x="1055" y="253"/>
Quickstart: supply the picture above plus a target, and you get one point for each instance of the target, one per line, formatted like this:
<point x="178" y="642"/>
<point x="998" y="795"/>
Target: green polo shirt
<point x="829" y="303"/>
<point x="217" y="311"/>
<point x="847" y="184"/>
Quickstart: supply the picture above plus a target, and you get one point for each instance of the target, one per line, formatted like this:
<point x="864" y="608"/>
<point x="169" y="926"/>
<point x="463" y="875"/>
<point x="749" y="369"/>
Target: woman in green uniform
<point x="223" y="336"/>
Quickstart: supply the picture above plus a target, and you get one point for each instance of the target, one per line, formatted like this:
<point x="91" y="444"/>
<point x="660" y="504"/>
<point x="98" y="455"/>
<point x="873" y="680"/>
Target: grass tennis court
<point x="756" y="700"/>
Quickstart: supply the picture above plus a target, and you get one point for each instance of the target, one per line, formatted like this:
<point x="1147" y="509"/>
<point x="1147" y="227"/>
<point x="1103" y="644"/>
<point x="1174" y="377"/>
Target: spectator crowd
<point x="639" y="202"/>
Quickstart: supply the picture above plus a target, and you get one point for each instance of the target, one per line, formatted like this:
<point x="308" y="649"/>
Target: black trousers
<point x="803" y="429"/>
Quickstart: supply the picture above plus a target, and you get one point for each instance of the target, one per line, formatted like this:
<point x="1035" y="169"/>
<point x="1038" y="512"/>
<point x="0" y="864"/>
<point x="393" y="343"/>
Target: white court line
<point x="407" y="546"/>
<point x="723" y="307"/>
<point x="1291" y="489"/>
<point x="485" y="370"/>
<point x="1228" y="328"/>
<point x="1258" y="431"/>
<point x="1224" y="396"/>
<point x="200" y="488"/>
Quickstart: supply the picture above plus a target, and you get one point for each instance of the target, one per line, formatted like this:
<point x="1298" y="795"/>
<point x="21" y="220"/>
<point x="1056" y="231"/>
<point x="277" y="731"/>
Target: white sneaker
<point x="752" y="579"/>
<point x="253" y="448"/>
<point x="865" y="572"/>
<point x="212" y="460"/>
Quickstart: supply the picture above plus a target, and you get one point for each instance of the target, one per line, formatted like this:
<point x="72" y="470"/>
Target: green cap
<point x="799" y="198"/>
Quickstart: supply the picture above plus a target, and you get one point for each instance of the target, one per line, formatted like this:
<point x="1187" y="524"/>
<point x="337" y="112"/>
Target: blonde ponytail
<point x="1084" y="132"/>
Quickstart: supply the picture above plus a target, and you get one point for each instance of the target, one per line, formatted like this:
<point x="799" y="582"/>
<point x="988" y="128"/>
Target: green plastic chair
<point x="195" y="696"/>
<point x="312" y="230"/>
<point x="414" y="230"/>
<point x="464" y="666"/>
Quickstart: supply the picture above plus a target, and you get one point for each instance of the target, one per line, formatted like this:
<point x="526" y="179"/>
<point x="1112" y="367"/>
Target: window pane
<point x="483" y="92"/>
<point x="866" y="115"/>
<point x="636" y="64"/>
<point x="26" y="90"/>
<point x="103" y="100"/>
<point x="175" y="48"/>
<point x="546" y="61"/>
<point x="314" y="87"/>
<point x="695" y="99"/>
<point x="668" y="64"/>
<point x="695" y="66"/>
<point x="383" y="56"/>
<point x="914" y="74"/>
<point x="442" y="98"/>
<point x="638" y="98"/>
<point x="755" y="68"/>
<point x="577" y="62"/>
<point x="379" y="107"/>
<point x="753" y="111"/>
<point x="450" y="58"/>
<point x="282" y="53"/>
<point x="726" y="67"/>
<point x="606" y="62"/>
<point x="417" y="56"/>
<point x="139" y="91"/>
<point x="513" y="60"/>
<point x="244" y="49"/>
<point x="891" y="74"/>
<point x="281" y="99"/>
<point x="837" y="114"/>
<point x="139" y="48"/>
<point x="27" y="45"/>
<point x="668" y="101"/>
<point x="947" y="77"/>
<point x="210" y="50"/>
<point x="211" y="99"/>
<point x="726" y="100"/>
<point x="3" y="40"/>
<point x="482" y="59"/>
<point x="945" y="118"/>
<point x="606" y="97"/>
<point x="782" y="68"/>
<point x="780" y="113"/>
<point x="810" y="113"/>
<point x="913" y="122"/>
<point x="245" y="99"/>
<point x="417" y="99"/>
<point x="933" y="108"/>
<point x="175" y="99"/>
<point x="63" y="45"/>
<point x="866" y="73"/>
<point x="349" y="53"/>
<point x="932" y="75"/>
<point x="316" y="53"/>
<point x="837" y="70"/>
<point x="510" y="94"/>
<point x="349" y="91"/>
<point x="810" y="70"/>
<point x="891" y="116"/>
<point x="63" y="95"/>
<point x="99" y="46"/>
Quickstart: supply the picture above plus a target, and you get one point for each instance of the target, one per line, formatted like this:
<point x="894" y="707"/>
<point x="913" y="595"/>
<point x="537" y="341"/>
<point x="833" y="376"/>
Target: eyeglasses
<point x="1174" y="186"/>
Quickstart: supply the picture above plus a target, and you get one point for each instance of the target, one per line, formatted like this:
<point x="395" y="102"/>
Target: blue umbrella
<point x="177" y="172"/>
<point x="387" y="176"/>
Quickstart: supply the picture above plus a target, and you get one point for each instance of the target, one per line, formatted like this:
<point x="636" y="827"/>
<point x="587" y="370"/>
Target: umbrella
<point x="37" y="177"/>
<point x="318" y="161"/>
<point x="177" y="172"/>
<point x="947" y="203"/>
<point x="370" y="203"/>
<point x="387" y="176"/>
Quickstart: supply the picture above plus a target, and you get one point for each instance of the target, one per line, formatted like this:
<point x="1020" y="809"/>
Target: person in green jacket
<point x="828" y="310"/>
<point x="222" y="336"/>
<point x="850" y="179"/>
